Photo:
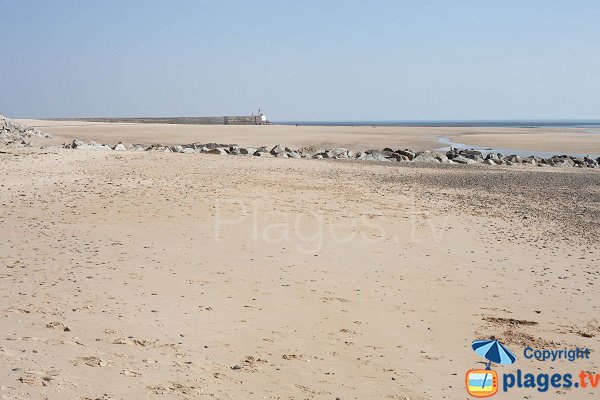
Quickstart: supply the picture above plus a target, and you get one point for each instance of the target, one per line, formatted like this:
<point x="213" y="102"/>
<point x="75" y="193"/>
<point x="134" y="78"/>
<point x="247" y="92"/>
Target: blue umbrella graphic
<point x="493" y="351"/>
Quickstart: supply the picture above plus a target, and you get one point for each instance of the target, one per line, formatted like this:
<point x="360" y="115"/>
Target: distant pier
<point x="259" y="119"/>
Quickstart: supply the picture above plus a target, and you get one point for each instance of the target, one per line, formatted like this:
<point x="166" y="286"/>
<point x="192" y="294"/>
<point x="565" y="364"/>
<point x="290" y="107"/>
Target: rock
<point x="472" y="154"/>
<point x="262" y="154"/>
<point x="383" y="153"/>
<point x="560" y="161"/>
<point x="91" y="146"/>
<point x="247" y="150"/>
<point x="489" y="161"/>
<point x="11" y="132"/>
<point x="293" y="154"/>
<point x="338" y="152"/>
<point x="408" y="153"/>
<point x="513" y="158"/>
<point x="119" y="147"/>
<point x="494" y="157"/>
<point x="463" y="160"/>
<point x="317" y="156"/>
<point x="278" y="149"/>
<point x="218" y="151"/>
<point x="377" y="156"/>
<point x="212" y="146"/>
<point x="188" y="150"/>
<point x="590" y="162"/>
<point x="425" y="158"/>
<point x="398" y="157"/>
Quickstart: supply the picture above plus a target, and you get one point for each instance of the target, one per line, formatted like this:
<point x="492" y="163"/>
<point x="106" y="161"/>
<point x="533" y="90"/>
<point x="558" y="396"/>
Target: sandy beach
<point x="559" y="140"/>
<point x="185" y="276"/>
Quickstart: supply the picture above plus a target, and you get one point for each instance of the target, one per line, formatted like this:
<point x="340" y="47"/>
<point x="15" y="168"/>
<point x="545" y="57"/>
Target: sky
<point x="301" y="60"/>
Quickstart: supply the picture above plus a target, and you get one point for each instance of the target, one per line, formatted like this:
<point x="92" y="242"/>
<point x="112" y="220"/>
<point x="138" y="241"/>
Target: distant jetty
<point x="258" y="119"/>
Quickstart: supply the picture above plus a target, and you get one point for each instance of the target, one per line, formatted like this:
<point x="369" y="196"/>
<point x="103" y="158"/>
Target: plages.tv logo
<point x="484" y="382"/>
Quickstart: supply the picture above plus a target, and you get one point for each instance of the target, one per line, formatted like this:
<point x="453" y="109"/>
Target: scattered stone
<point x="59" y="326"/>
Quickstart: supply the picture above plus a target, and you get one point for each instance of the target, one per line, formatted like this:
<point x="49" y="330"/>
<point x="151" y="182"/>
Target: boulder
<point x="398" y="157"/>
<point x="408" y="153"/>
<point x="463" y="160"/>
<point x="590" y="162"/>
<point x="560" y="161"/>
<point x="247" y="150"/>
<point x="425" y="158"/>
<point x="235" y="150"/>
<point x="120" y="147"/>
<point x="11" y="132"/>
<point x="310" y="151"/>
<point x="338" y="152"/>
<point x="91" y="146"/>
<point x="515" y="159"/>
<point x="377" y="156"/>
<point x="258" y="153"/>
<point x="442" y="158"/>
<point x="218" y="151"/>
<point x="278" y="149"/>
<point x="472" y="154"/>
<point x="494" y="157"/>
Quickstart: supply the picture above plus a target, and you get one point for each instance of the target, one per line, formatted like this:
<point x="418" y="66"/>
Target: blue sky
<point x="301" y="60"/>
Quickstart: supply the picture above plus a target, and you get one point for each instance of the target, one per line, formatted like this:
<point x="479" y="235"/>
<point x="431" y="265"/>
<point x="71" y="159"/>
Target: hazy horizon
<point x="309" y="61"/>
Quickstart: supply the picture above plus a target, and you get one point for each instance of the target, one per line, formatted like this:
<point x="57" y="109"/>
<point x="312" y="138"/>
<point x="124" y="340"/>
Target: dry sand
<point x="152" y="275"/>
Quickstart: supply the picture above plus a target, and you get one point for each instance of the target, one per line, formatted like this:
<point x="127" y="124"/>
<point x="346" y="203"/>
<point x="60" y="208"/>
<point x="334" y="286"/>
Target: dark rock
<point x="278" y="149"/>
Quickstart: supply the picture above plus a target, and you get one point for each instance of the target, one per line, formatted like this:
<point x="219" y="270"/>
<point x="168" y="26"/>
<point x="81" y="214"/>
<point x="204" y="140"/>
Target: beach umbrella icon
<point x="493" y="351"/>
